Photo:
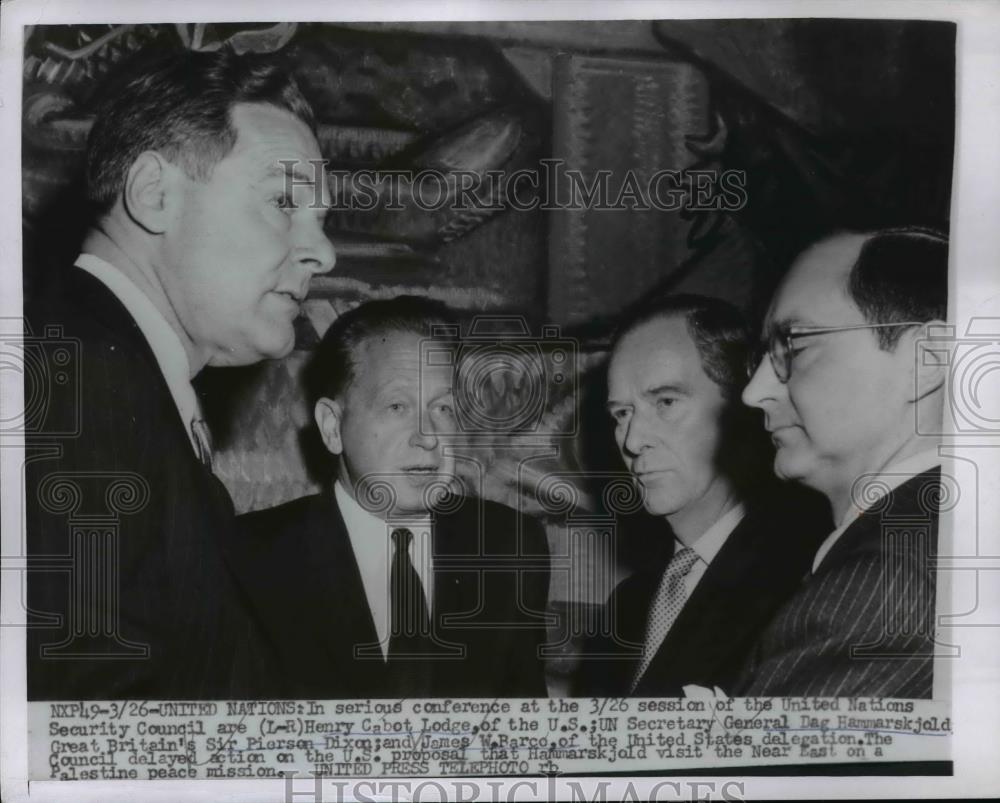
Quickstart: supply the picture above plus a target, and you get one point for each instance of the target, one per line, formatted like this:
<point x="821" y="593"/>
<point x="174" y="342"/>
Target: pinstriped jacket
<point x="863" y="623"/>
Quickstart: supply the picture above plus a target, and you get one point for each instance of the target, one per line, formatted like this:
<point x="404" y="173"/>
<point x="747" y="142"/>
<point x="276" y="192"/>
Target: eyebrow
<point x="787" y="323"/>
<point x="667" y="388"/>
<point x="443" y="394"/>
<point x="653" y="391"/>
<point x="294" y="171"/>
<point x="302" y="179"/>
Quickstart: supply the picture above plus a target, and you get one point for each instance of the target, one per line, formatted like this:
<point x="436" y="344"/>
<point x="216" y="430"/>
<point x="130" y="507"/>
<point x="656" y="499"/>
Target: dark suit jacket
<point x="490" y="593"/>
<point x="113" y="485"/>
<point x="756" y="570"/>
<point x="863" y="624"/>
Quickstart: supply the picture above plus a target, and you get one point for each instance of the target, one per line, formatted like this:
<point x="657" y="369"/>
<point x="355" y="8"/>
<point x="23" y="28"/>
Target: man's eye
<point x="396" y="407"/>
<point x="283" y="201"/>
<point x="666" y="402"/>
<point x="619" y="415"/>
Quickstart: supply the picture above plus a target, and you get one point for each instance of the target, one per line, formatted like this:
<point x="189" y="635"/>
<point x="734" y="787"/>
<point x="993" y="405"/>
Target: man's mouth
<point x="295" y="297"/>
<point x="650" y="473"/>
<point x="779" y="435"/>
<point x="421" y="469"/>
<point x="773" y="425"/>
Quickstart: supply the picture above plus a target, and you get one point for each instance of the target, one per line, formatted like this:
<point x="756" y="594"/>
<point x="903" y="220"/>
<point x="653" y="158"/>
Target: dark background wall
<point x="836" y="123"/>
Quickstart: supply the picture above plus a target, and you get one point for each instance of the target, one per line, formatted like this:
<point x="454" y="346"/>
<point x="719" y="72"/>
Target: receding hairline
<point x="809" y="261"/>
<point x="665" y="316"/>
<point x="180" y="105"/>
<point x="356" y="351"/>
<point x="856" y="241"/>
<point x="662" y="317"/>
<point x="238" y="114"/>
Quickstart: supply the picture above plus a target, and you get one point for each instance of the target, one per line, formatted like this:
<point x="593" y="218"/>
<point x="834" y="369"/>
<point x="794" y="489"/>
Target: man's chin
<point x="272" y="348"/>
<point x="279" y="345"/>
<point x="789" y="466"/>
<point x="427" y="486"/>
<point x="660" y="506"/>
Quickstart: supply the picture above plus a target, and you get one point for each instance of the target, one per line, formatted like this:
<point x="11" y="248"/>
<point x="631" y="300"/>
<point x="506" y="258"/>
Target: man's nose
<point x="636" y="435"/>
<point x="763" y="385"/>
<point x="425" y="435"/>
<point x="314" y="249"/>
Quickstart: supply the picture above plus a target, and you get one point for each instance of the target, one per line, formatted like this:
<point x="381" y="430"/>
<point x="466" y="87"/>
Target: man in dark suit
<point x="390" y="584"/>
<point x="200" y="252"/>
<point x="728" y="556"/>
<point x="851" y="384"/>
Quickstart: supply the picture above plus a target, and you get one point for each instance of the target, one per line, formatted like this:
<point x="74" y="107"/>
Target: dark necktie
<point x="409" y="622"/>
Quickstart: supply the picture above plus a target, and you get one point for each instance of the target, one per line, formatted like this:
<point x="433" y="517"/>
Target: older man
<point x="732" y="548"/>
<point x="845" y="403"/>
<point x="389" y="584"/>
<point x="201" y="250"/>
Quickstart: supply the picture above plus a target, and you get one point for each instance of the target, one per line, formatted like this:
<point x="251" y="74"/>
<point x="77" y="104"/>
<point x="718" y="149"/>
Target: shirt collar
<point x="360" y="520"/>
<point x="708" y="544"/>
<point x="373" y="551"/>
<point x="166" y="345"/>
<point x="877" y="486"/>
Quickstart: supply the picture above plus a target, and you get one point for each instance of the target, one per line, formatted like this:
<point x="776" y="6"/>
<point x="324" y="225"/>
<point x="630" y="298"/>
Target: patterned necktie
<point x="665" y="608"/>
<point x="203" y="441"/>
<point x="410" y="621"/>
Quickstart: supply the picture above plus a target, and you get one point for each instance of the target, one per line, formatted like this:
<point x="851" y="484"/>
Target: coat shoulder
<point x="499" y="525"/>
<point x="285" y="518"/>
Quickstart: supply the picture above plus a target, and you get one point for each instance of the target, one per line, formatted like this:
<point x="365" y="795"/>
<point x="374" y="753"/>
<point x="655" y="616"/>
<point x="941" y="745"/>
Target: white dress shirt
<point x="890" y="478"/>
<point x="707" y="546"/>
<point x="163" y="340"/>
<point x="371" y="541"/>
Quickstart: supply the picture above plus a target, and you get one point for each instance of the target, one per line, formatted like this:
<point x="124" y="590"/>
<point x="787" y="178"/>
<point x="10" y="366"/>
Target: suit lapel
<point x="107" y="307"/>
<point x="352" y="601"/>
<point x="449" y="585"/>
<point x="711" y="616"/>
<point x="874" y="522"/>
<point x="455" y="594"/>
<point x="334" y="596"/>
<point x="718" y="613"/>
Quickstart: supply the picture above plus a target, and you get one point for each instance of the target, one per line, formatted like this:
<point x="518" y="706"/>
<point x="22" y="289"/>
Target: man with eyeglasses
<point x="837" y="380"/>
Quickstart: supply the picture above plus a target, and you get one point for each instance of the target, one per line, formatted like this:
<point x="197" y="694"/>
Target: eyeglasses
<point x="780" y="344"/>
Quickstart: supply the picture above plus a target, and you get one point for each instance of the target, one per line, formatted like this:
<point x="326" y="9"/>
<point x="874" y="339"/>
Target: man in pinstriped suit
<point x="845" y="405"/>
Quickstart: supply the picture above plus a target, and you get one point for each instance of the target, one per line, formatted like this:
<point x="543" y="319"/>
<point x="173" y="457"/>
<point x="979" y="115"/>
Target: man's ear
<point x="149" y="185"/>
<point x="932" y="359"/>
<point x="329" y="415"/>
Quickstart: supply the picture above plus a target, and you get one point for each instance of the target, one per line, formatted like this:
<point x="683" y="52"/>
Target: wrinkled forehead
<point x="271" y="141"/>
<point x="659" y="347"/>
<point x="814" y="291"/>
<point x="405" y="358"/>
<point x="265" y="125"/>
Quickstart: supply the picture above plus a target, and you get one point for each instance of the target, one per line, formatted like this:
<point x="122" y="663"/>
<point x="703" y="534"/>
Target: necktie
<point x="665" y="608"/>
<point x="409" y="622"/>
<point x="203" y="441"/>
